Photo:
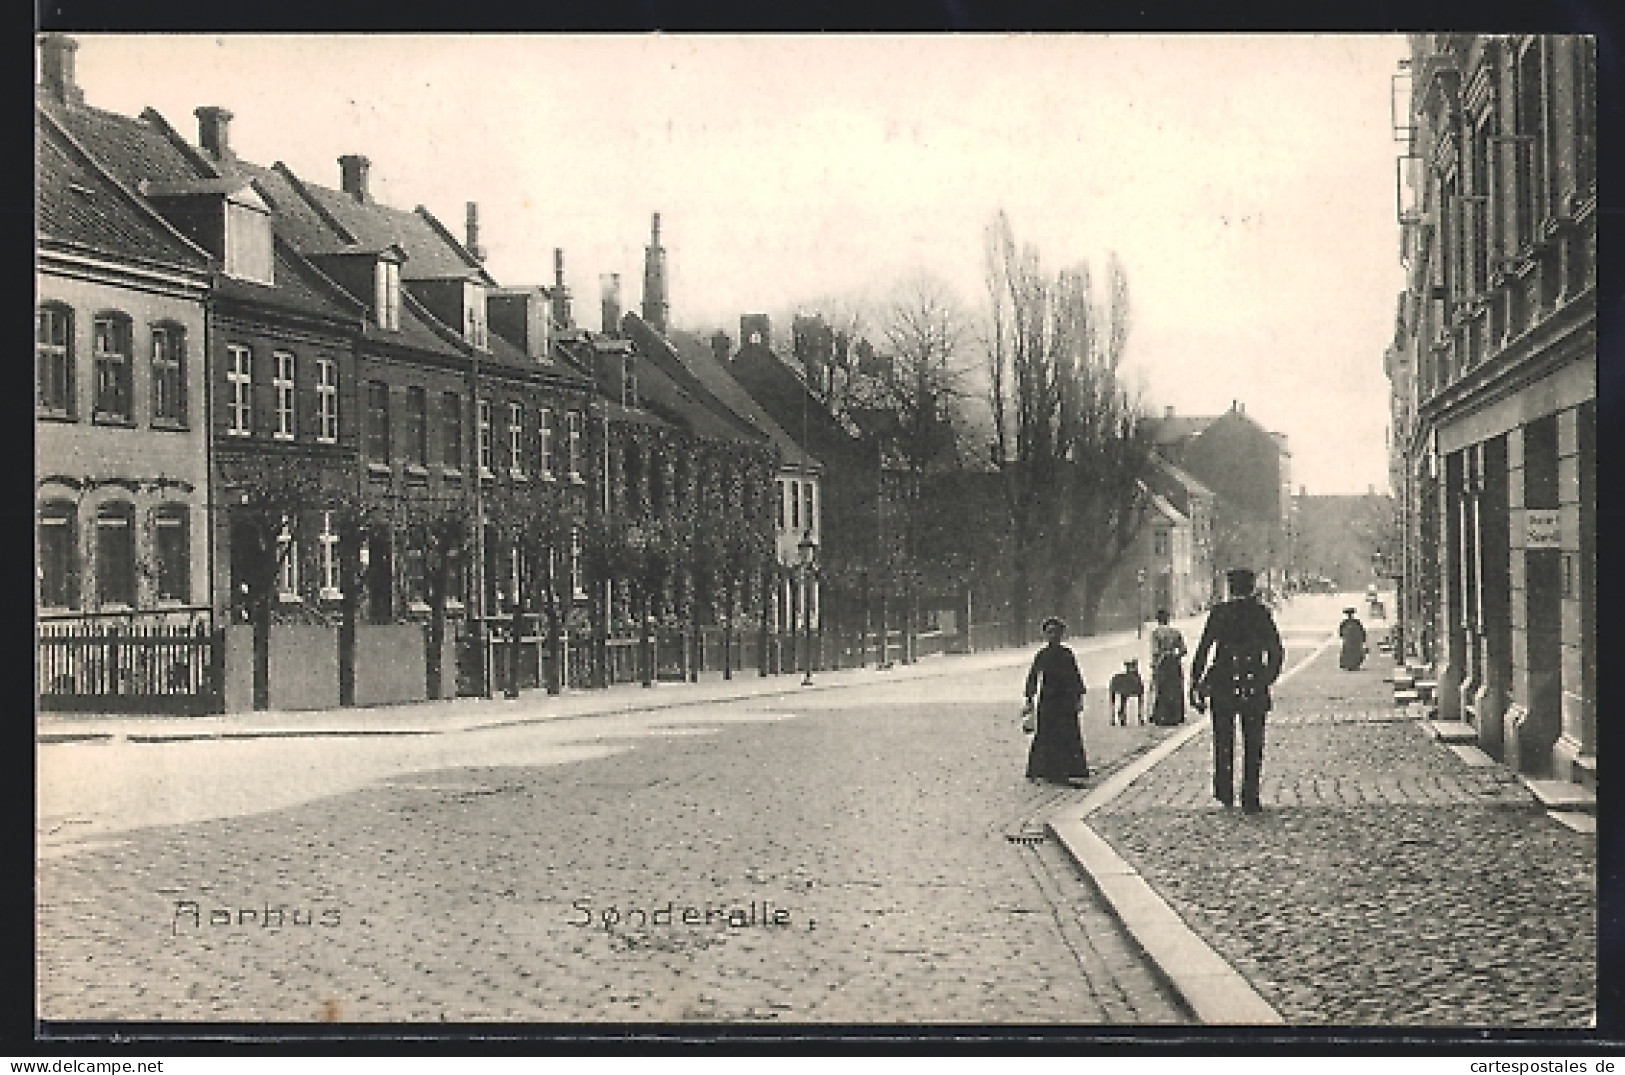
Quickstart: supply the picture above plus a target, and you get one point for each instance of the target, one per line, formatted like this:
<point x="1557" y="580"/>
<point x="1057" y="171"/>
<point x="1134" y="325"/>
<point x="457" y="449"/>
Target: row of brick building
<point x="263" y="399"/>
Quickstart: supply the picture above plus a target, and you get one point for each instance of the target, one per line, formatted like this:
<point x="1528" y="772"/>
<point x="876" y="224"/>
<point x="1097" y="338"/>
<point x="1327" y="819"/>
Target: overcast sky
<point x="1245" y="182"/>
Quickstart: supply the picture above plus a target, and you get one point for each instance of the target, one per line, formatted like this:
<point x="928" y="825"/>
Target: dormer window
<point x="248" y="242"/>
<point x="474" y="320"/>
<point x="388" y="299"/>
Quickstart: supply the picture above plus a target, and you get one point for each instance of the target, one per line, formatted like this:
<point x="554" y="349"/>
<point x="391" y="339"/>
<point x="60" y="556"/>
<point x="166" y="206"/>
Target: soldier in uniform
<point x="1236" y="662"/>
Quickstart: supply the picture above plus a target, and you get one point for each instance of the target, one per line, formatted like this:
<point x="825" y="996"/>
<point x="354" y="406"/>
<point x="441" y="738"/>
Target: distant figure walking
<point x="1352" y="631"/>
<point x="1057" y="751"/>
<point x="1245" y="647"/>
<point x="1167" y="672"/>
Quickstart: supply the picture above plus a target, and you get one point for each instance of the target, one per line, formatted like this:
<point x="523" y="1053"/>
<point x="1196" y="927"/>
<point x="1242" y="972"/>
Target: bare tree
<point x="1069" y="438"/>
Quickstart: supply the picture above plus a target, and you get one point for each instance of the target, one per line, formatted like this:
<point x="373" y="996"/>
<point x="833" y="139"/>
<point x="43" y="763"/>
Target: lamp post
<point x="809" y="552"/>
<point x="1139" y="610"/>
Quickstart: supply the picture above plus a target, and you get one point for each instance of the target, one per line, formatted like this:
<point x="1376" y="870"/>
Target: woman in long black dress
<point x="1057" y="751"/>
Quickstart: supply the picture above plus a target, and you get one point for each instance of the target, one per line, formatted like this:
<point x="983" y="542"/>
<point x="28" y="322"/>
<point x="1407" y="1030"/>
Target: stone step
<point x="1585" y="824"/>
<point x="1472" y="755"/>
<point x="1406" y="697"/>
<point x="1563" y="795"/>
<point x="1452" y="731"/>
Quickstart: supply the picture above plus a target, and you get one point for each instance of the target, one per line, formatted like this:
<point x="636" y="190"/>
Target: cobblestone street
<point x="873" y="823"/>
<point x="1386" y="883"/>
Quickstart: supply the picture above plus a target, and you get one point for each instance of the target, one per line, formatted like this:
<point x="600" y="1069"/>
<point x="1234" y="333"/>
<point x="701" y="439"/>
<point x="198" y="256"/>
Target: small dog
<point x="1125" y="685"/>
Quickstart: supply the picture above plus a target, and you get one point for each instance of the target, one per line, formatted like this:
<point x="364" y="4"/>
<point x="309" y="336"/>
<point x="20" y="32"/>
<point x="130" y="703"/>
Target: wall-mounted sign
<point x="1543" y="529"/>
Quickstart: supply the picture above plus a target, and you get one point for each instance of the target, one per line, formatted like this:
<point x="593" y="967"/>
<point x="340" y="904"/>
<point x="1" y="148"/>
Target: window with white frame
<point x="168" y="374"/>
<point x="451" y="431"/>
<point x="287" y="561"/>
<point x="795" y="507"/>
<point x="784" y="500"/>
<point x="378" y="422"/>
<point x="327" y="400"/>
<point x="387" y="301"/>
<point x="474" y="315"/>
<point x="807" y="508"/>
<point x="239" y="390"/>
<point x="516" y="440"/>
<point x="282" y="385"/>
<point x="578" y="586"/>
<point x="417" y="427"/>
<point x="486" y="447"/>
<point x="327" y="559"/>
<point x="573" y="423"/>
<point x="248" y="243"/>
<point x="544" y="442"/>
<point x="111" y="339"/>
<point x="53" y="361"/>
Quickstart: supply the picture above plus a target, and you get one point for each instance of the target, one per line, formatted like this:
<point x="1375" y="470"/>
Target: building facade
<point x="121" y="403"/>
<point x="1493" y="376"/>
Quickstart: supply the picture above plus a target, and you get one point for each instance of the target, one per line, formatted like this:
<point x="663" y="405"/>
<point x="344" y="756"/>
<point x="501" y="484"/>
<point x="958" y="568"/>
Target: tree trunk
<point x="349" y="606"/>
<point x="555" y="631"/>
<point x="436" y="644"/>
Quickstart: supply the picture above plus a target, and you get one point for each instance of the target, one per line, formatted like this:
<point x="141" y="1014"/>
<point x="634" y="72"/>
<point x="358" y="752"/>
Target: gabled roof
<point x="78" y="203"/>
<point x="298" y="286"/>
<point x="432" y="253"/>
<point x="782" y="395"/>
<point x="146" y="155"/>
<point x="691" y="363"/>
<point x="1171" y="429"/>
<point x="1181" y="477"/>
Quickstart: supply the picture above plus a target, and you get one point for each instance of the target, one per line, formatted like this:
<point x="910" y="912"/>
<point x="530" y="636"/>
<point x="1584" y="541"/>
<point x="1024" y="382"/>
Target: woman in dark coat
<point x="1353" y="635"/>
<point x="1167" y="674"/>
<point x="1057" y="750"/>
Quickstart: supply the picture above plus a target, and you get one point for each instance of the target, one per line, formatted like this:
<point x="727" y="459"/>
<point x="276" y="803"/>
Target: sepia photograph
<point x="802" y="532"/>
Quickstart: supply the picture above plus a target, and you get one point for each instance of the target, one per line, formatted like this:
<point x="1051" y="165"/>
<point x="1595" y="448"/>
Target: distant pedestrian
<point x="1352" y="632"/>
<point x="1167" y="672"/>
<point x="1245" y="647"/>
<point x="1057" y="751"/>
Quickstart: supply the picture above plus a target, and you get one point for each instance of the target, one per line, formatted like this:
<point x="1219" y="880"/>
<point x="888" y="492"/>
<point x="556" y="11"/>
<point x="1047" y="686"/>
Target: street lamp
<point x="1139" y="602"/>
<point x="809" y="552"/>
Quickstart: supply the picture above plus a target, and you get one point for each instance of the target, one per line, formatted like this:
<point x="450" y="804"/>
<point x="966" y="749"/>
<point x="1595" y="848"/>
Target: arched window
<point x="171" y="542"/>
<point x="110" y="342"/>
<point x="53" y="361"/>
<point x="115" y="554"/>
<point x="168" y="374"/>
<point x="58" y="555"/>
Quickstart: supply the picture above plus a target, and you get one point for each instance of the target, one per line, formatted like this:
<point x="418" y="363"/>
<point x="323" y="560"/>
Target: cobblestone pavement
<point x="1387" y="883"/>
<point x="887" y="829"/>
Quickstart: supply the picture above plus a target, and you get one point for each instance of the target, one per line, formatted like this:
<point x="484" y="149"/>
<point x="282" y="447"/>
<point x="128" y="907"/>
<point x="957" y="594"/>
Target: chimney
<point x="753" y="328"/>
<point x="1303" y="490"/>
<point x="655" y="306"/>
<point x="473" y="228"/>
<point x="562" y="318"/>
<point x="353" y="170"/>
<point x="721" y="346"/>
<point x="56" y="68"/>
<point x="1167" y="412"/>
<point x="213" y="131"/>
<point x="611" y="306"/>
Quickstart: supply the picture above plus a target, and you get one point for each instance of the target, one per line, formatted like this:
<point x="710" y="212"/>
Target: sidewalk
<point x="532" y="706"/>
<point x="1388" y="881"/>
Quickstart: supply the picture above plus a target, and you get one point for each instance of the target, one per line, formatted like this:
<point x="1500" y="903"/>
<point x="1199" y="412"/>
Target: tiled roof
<point x="697" y="355"/>
<point x="78" y="203"/>
<point x="1169" y="430"/>
<point x="428" y="253"/>
<point x="781" y="394"/>
<point x="709" y="386"/>
<point x="297" y="288"/>
<point x="132" y="150"/>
